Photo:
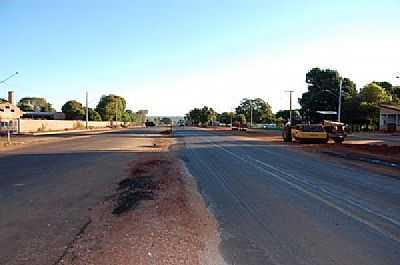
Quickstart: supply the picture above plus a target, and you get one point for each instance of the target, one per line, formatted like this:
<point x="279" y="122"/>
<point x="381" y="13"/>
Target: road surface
<point x="276" y="205"/>
<point x="46" y="191"/>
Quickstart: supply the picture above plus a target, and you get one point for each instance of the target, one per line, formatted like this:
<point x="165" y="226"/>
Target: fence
<point x="31" y="126"/>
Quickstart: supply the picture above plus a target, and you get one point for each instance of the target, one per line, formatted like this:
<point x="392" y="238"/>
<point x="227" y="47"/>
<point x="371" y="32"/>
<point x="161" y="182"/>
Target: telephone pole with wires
<point x="290" y="104"/>
<point x="87" y="110"/>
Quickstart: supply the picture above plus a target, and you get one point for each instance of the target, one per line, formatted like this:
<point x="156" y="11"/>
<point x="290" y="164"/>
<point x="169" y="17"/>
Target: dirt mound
<point x="375" y="149"/>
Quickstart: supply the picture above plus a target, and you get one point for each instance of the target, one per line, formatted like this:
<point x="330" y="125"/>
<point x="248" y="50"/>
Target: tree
<point x="323" y="92"/>
<point x="393" y="91"/>
<point x="208" y="115"/>
<point x="285" y="115"/>
<point x="364" y="108"/>
<point x="353" y="113"/>
<point x="94" y="115"/>
<point x="225" y="117"/>
<point x="129" y="116"/>
<point x="374" y="94"/>
<point x="166" y="120"/>
<point x="73" y="110"/>
<point x="241" y="118"/>
<point x="141" y="116"/>
<point x="194" y="116"/>
<point x="2" y="100"/>
<point x="205" y="115"/>
<point x="262" y="111"/>
<point x="35" y="104"/>
<point x="110" y="106"/>
<point x="370" y="112"/>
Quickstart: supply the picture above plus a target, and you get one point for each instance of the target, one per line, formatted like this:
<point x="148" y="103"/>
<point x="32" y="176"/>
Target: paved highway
<point x="276" y="205"/>
<point x="47" y="189"/>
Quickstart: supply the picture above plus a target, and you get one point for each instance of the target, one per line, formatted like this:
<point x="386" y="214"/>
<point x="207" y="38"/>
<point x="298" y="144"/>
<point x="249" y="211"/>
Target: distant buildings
<point x="9" y="113"/>
<point x="389" y="118"/>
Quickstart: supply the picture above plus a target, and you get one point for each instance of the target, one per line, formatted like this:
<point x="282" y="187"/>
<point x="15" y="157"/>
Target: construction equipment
<point x="335" y="130"/>
<point x="314" y="133"/>
<point x="305" y="133"/>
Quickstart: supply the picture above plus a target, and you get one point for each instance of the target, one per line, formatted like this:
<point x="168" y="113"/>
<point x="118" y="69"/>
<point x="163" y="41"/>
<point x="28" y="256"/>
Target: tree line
<point x="360" y="108"/>
<point x="257" y="110"/>
<point x="109" y="108"/>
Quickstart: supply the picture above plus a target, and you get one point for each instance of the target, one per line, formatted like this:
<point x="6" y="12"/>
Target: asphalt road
<point x="47" y="190"/>
<point x="276" y="205"/>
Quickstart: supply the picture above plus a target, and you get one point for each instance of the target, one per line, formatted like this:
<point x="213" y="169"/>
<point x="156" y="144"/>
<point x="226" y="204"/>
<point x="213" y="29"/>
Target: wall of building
<point x="384" y="119"/>
<point x="31" y="126"/>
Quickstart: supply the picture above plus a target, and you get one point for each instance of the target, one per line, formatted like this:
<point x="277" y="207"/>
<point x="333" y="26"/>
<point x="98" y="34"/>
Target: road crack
<point x="70" y="245"/>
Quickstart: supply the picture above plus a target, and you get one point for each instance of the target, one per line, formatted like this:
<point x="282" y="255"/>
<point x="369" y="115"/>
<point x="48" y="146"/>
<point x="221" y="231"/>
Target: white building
<point x="389" y="118"/>
<point x="9" y="114"/>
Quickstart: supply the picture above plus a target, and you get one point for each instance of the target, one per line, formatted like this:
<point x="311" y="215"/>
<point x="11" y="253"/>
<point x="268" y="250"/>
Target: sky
<point x="169" y="56"/>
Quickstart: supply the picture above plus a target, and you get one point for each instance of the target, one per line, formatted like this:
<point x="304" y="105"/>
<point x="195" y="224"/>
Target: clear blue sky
<point x="168" y="56"/>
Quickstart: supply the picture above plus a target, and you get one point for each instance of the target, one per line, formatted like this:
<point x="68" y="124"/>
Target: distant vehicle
<point x="180" y="123"/>
<point x="149" y="124"/>
<point x="237" y="126"/>
<point x="269" y="126"/>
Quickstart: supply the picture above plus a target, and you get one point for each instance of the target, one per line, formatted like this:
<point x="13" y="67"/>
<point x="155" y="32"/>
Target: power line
<point x="11" y="76"/>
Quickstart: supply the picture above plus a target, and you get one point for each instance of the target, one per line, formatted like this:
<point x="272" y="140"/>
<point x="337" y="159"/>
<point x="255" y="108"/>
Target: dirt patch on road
<point x="381" y="159"/>
<point x="159" y="218"/>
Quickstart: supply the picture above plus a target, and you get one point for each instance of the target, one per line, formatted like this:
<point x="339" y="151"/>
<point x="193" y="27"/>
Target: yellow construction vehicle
<point x="305" y="133"/>
<point x="314" y="133"/>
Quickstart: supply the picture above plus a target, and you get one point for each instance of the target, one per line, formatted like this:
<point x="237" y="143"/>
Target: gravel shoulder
<point x="175" y="227"/>
<point x="29" y="140"/>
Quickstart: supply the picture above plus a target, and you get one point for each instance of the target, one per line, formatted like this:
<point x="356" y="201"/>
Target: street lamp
<point x="11" y="76"/>
<point x="251" y="114"/>
<point x="340" y="99"/>
<point x="290" y="105"/>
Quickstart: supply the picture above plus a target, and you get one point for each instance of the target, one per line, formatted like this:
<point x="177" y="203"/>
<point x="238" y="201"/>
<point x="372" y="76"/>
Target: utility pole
<point x="340" y="99"/>
<point x="116" y="112"/>
<point x="8" y="134"/>
<point x="251" y="114"/>
<point x="290" y="105"/>
<point x="87" y="110"/>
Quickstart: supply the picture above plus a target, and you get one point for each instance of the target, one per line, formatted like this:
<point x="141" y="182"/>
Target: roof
<point x="326" y="122"/>
<point x="390" y="106"/>
<point x="327" y="112"/>
<point x="39" y="113"/>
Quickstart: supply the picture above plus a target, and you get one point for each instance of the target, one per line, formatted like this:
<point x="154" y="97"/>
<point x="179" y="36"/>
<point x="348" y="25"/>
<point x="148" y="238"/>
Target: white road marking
<point x="316" y="196"/>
